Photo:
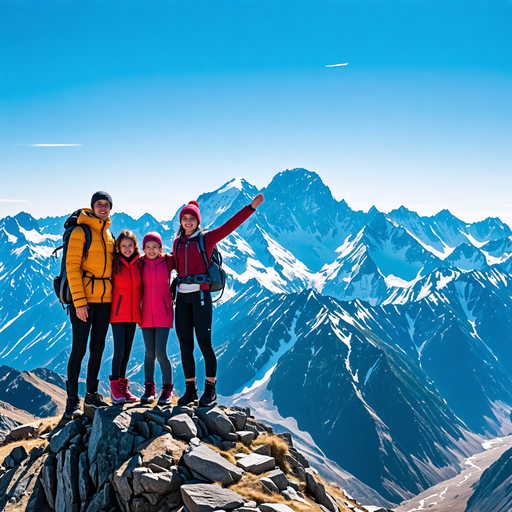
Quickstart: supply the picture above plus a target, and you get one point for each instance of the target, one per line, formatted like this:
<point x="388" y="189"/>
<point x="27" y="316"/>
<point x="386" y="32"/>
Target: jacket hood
<point x="93" y="222"/>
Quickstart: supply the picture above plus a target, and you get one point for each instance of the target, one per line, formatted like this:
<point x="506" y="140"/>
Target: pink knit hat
<point x="152" y="236"/>
<point x="192" y="208"/>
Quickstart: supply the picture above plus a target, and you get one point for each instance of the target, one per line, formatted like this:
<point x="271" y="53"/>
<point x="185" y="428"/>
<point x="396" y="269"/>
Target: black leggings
<point x="191" y="315"/>
<point x="123" y="332"/>
<point x="97" y="325"/>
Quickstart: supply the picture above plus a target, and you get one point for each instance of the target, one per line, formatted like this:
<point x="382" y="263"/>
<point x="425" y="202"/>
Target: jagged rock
<point x="294" y="484"/>
<point x="155" y="429"/>
<point x="217" y="422"/>
<point x="137" y="475"/>
<point x="253" y="429"/>
<point x="238" y="418"/>
<point x="296" y="467"/>
<point x="211" y="465"/>
<point x="142" y="429"/>
<point x="104" y="499"/>
<point x="264" y="449"/>
<point x="70" y="477"/>
<point x="297" y="455"/>
<point x="83" y="476"/>
<point x="49" y="479"/>
<point x="60" y="502"/>
<point x="110" y="443"/>
<point x="182" y="409"/>
<point x="279" y="478"/>
<point x="275" y="507"/>
<point x="287" y="437"/>
<point x="317" y="490"/>
<point x="9" y="462"/>
<point x="167" y="429"/>
<point x="257" y="464"/>
<point x="156" y="418"/>
<point x="161" y="483"/>
<point x="61" y="438"/>
<point x="209" y="497"/>
<point x="141" y="505"/>
<point x="183" y="426"/>
<point x="269" y="486"/>
<point x="122" y="474"/>
<point x="291" y="494"/>
<point x="152" y="498"/>
<point x="227" y="445"/>
<point x="164" y="451"/>
<point x="28" y="430"/>
<point x="245" y="436"/>
<point x="260" y="426"/>
<point x="156" y="469"/>
<point x="36" y="452"/>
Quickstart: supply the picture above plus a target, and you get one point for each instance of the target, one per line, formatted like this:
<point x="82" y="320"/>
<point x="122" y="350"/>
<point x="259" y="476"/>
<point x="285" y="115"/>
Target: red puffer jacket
<point x="156" y="292"/>
<point x="189" y="260"/>
<point x="126" y="297"/>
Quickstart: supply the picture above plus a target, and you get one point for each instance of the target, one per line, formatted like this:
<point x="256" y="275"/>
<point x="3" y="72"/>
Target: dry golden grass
<point x="278" y="449"/>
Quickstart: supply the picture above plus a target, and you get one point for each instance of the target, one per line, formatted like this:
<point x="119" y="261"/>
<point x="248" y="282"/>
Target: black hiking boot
<point x="73" y="410"/>
<point x="95" y="400"/>
<point x="190" y="394"/>
<point x="209" y="397"/>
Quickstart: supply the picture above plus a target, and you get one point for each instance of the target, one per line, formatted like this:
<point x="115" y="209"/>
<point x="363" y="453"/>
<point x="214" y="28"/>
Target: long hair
<point x="181" y="231"/>
<point x="117" y="254"/>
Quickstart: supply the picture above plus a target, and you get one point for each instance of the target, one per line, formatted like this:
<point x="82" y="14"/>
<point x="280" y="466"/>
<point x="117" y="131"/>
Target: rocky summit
<point x="136" y="458"/>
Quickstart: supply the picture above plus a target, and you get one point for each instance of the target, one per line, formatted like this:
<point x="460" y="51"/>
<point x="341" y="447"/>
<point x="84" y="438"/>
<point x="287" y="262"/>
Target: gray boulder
<point x="317" y="490"/>
<point x="49" y="479"/>
<point x="269" y="486"/>
<point x="83" y="476"/>
<point x="245" y="436"/>
<point x="238" y="418"/>
<point x="257" y="464"/>
<point x="296" y="467"/>
<point x="291" y="494"/>
<point x="208" y="498"/>
<point x="183" y="426"/>
<point x="121" y="476"/>
<point x="136" y="482"/>
<point x="217" y="422"/>
<point x="104" y="499"/>
<point x="156" y="418"/>
<point x="61" y="438"/>
<point x="161" y="483"/>
<point x="275" y="507"/>
<point x="279" y="478"/>
<point x="211" y="465"/>
<point x="70" y="477"/>
<point x="164" y="451"/>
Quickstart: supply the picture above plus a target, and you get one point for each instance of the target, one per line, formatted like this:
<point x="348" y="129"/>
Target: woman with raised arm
<point x="194" y="301"/>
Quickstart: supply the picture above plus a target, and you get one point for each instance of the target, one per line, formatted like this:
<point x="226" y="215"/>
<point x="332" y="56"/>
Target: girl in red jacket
<point x="194" y="302"/>
<point x="157" y="316"/>
<point x="125" y="312"/>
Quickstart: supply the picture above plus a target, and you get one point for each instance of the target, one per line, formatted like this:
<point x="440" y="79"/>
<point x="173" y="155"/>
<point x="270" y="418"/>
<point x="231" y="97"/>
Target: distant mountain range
<point x="388" y="337"/>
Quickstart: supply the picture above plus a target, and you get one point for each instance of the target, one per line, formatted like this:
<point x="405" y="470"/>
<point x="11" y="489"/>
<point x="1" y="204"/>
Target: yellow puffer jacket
<point x="89" y="279"/>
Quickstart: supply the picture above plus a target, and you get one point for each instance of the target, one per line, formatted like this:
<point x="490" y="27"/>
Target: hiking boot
<point x="209" y="397"/>
<point x="95" y="400"/>
<point x="73" y="410"/>
<point x="126" y="390"/>
<point x="117" y="391"/>
<point x="190" y="394"/>
<point x="166" y="396"/>
<point x="149" y="392"/>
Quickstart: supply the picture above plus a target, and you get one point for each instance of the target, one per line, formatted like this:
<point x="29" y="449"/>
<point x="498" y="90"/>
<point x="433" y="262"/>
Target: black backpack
<point x="60" y="282"/>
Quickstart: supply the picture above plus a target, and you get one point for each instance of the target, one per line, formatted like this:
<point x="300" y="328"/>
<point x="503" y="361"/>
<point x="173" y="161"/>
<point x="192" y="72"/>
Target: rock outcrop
<point x="138" y="458"/>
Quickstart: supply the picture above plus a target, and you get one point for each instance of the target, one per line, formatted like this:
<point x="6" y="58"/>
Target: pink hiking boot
<point x="116" y="392"/>
<point x="126" y="391"/>
<point x="166" y="396"/>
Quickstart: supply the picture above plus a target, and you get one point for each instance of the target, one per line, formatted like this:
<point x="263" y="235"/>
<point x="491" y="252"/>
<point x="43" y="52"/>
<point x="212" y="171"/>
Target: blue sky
<point x="165" y="100"/>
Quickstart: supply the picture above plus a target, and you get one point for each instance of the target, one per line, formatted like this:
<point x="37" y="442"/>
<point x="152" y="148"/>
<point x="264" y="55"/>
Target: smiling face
<point x="126" y="247"/>
<point x="101" y="209"/>
<point x="189" y="224"/>
<point x="152" y="250"/>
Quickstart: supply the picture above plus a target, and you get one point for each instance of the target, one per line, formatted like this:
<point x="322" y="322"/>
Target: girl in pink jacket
<point x="157" y="316"/>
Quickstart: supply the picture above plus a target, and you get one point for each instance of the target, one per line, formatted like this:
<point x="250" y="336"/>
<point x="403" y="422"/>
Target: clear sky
<point x="160" y="101"/>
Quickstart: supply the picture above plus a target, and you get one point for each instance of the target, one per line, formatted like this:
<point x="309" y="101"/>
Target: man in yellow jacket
<point x="91" y="289"/>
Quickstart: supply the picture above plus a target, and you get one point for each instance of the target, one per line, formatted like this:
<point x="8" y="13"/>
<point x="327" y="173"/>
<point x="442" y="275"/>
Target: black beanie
<point x="98" y="196"/>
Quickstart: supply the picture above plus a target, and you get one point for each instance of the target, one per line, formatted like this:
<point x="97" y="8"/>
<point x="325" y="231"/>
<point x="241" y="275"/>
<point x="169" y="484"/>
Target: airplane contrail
<point x="336" y="65"/>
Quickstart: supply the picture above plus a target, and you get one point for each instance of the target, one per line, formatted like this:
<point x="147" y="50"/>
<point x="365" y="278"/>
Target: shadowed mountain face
<point x="388" y="337"/>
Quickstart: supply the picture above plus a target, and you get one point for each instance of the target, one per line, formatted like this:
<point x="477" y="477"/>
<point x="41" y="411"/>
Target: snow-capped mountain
<point x="391" y="332"/>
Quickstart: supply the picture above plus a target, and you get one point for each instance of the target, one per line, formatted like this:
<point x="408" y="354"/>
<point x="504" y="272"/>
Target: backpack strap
<point x="203" y="252"/>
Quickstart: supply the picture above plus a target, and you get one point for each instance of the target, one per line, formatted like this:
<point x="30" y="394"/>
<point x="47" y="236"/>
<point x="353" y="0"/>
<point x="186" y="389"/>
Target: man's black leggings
<point x="123" y="332"/>
<point x="190" y="316"/>
<point x="97" y="325"/>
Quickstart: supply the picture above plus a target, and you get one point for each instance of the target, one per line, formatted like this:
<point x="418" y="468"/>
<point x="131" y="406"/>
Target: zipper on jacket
<point x="186" y="266"/>
<point x="104" y="261"/>
<point x="119" y="304"/>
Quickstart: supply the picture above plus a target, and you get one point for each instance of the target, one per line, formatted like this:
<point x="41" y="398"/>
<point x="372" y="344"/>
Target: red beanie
<point x="192" y="208"/>
<point x="152" y="236"/>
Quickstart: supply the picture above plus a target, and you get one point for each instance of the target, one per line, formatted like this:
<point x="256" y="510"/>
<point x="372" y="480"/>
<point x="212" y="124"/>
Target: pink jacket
<point x="156" y="292"/>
